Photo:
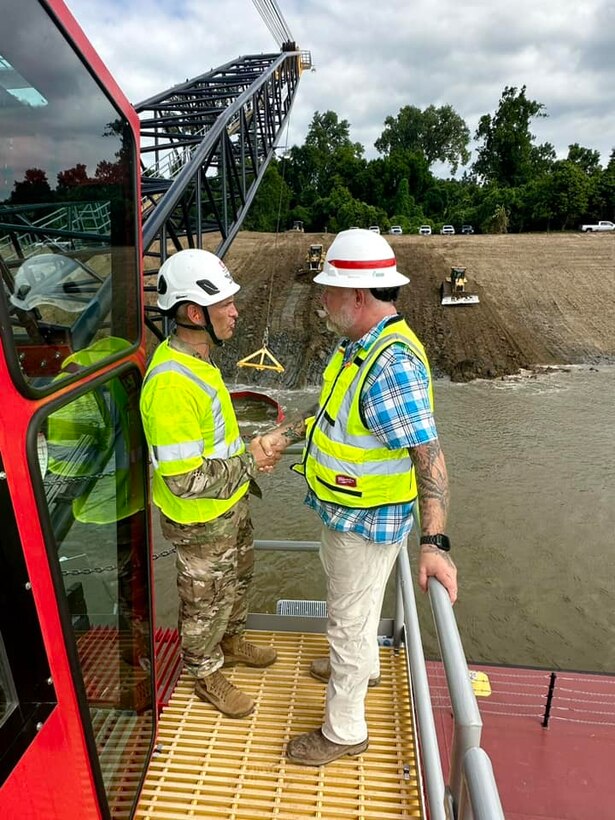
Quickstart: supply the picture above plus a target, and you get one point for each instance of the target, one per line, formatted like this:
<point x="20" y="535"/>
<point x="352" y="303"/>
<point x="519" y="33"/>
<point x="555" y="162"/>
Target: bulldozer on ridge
<point x="453" y="289"/>
<point x="314" y="260"/>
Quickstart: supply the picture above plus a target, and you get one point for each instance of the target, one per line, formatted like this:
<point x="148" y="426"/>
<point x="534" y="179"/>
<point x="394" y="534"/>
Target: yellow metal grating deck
<point x="213" y="766"/>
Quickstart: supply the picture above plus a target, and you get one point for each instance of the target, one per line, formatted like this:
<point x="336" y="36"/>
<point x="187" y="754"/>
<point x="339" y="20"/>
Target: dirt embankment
<point x="545" y="299"/>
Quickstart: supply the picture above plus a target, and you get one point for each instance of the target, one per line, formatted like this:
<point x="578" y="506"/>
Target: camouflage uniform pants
<point x="215" y="562"/>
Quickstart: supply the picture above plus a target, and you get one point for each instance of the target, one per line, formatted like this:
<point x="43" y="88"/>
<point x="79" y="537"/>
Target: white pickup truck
<point x="603" y="225"/>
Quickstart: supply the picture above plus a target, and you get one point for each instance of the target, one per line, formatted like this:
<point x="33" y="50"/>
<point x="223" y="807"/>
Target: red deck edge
<point x="562" y="772"/>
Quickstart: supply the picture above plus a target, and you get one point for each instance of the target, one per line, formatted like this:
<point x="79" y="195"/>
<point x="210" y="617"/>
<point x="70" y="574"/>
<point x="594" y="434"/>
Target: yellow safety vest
<point x="187" y="416"/>
<point x="89" y="442"/>
<point x="343" y="462"/>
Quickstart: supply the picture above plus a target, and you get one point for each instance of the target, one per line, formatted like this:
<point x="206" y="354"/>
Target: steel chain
<point x="74" y="478"/>
<point x="111" y="567"/>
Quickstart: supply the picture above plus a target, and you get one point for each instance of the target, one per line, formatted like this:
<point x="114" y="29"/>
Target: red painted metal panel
<point x="53" y="778"/>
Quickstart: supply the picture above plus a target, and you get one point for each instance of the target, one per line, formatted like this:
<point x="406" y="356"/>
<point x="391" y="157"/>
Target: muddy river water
<point x="532" y="521"/>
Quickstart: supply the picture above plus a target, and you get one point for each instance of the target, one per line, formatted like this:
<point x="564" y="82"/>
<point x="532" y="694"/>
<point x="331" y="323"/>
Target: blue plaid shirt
<point x="395" y="404"/>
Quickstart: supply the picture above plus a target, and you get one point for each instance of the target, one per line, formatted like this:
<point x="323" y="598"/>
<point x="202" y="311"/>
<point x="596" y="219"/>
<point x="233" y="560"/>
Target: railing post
<point x="399" y="608"/>
<point x="545" y="720"/>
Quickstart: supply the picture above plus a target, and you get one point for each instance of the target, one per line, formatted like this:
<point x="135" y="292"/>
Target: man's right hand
<point x="275" y="441"/>
<point x="265" y="456"/>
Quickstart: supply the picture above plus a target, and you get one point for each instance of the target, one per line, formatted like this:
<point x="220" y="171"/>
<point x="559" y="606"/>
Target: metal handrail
<point x="468" y="722"/>
<point x="480" y="799"/>
<point x="452" y="802"/>
<point x="434" y="779"/>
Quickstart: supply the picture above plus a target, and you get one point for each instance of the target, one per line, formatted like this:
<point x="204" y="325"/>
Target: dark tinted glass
<point x="91" y="457"/>
<point x="67" y="202"/>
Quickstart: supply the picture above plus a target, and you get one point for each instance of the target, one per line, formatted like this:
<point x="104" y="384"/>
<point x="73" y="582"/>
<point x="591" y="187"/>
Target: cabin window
<point x="91" y="455"/>
<point x="68" y="206"/>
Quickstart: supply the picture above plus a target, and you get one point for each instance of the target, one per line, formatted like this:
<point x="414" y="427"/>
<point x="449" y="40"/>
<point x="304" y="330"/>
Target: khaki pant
<point x="357" y="572"/>
<point x="215" y="563"/>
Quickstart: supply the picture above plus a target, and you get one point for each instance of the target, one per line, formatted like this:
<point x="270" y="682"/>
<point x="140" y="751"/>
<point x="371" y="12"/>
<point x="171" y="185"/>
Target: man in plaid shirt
<point x="370" y="449"/>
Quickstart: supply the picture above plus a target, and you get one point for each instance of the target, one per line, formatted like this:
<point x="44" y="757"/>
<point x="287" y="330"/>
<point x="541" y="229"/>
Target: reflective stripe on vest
<point x="184" y="450"/>
<point x="344" y="463"/>
<point x="220" y="436"/>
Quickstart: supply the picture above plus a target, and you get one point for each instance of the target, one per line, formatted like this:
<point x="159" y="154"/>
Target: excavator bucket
<point x="453" y="290"/>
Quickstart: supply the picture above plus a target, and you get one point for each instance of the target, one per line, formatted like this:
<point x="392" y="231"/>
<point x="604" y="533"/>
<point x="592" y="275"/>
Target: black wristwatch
<point x="441" y="541"/>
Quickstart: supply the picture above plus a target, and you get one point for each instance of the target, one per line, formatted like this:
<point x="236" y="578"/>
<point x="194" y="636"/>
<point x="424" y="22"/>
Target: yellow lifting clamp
<point x="258" y="360"/>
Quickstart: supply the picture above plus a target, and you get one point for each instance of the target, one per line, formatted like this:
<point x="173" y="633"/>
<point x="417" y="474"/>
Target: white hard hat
<point x="51" y="279"/>
<point x="360" y="259"/>
<point x="194" y="276"/>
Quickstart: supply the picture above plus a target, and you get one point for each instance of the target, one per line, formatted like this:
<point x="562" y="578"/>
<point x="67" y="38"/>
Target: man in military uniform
<point x="202" y="475"/>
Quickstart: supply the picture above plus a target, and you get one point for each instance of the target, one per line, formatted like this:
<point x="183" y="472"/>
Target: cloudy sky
<point x="373" y="58"/>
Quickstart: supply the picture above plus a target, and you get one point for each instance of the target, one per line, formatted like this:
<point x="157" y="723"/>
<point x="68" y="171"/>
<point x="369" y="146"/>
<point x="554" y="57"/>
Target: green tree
<point x="269" y="211"/>
<point x="33" y="188"/>
<point x="587" y="159"/>
<point x="602" y="200"/>
<point x="498" y="221"/>
<point x="327" y="151"/>
<point x="378" y="183"/>
<point x="340" y="210"/>
<point x="439" y="134"/>
<point x="570" y="188"/>
<point x="403" y="203"/>
<point x="508" y="155"/>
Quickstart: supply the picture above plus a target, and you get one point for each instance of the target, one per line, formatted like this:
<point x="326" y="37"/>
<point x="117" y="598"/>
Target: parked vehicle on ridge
<point x="603" y="225"/>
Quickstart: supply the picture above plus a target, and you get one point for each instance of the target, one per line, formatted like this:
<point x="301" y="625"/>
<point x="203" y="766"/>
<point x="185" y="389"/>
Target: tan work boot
<point x="320" y="668"/>
<point x="313" y="749"/>
<point x="228" y="699"/>
<point x="237" y="650"/>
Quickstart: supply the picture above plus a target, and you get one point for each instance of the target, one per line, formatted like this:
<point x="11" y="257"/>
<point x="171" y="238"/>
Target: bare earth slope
<point x="545" y="299"/>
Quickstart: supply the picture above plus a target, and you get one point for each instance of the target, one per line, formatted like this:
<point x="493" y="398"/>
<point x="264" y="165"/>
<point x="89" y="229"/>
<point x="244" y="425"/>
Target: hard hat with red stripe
<point x="360" y="259"/>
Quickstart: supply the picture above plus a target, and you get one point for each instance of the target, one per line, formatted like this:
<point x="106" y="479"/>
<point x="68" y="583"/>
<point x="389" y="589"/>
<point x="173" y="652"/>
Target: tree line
<point x="514" y="184"/>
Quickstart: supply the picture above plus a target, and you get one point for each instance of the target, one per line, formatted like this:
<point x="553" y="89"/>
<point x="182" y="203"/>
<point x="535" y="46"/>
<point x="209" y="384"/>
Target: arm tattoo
<point x="432" y="481"/>
<point x="293" y="430"/>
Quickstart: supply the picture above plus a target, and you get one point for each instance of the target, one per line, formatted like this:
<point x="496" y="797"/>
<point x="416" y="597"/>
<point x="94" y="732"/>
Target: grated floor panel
<point x="211" y="766"/>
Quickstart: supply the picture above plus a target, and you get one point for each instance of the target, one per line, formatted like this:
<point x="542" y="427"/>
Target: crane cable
<point x="258" y="359"/>
<point x="274" y="20"/>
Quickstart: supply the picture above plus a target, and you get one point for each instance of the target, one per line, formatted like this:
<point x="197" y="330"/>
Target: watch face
<point x="444" y="542"/>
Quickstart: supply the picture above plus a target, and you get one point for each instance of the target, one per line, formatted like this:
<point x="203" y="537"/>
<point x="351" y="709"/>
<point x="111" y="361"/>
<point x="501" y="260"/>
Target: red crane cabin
<point x="77" y="694"/>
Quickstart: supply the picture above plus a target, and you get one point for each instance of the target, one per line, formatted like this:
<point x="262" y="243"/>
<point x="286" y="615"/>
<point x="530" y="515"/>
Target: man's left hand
<point x="436" y="563"/>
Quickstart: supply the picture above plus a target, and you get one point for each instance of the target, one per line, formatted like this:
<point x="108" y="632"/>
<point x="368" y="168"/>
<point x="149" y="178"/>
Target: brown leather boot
<point x="320" y="668"/>
<point x="237" y="650"/>
<point x="314" y="749"/>
<point x="228" y="699"/>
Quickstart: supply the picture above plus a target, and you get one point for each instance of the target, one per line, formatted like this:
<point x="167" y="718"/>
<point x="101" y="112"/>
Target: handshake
<point x="267" y="449"/>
